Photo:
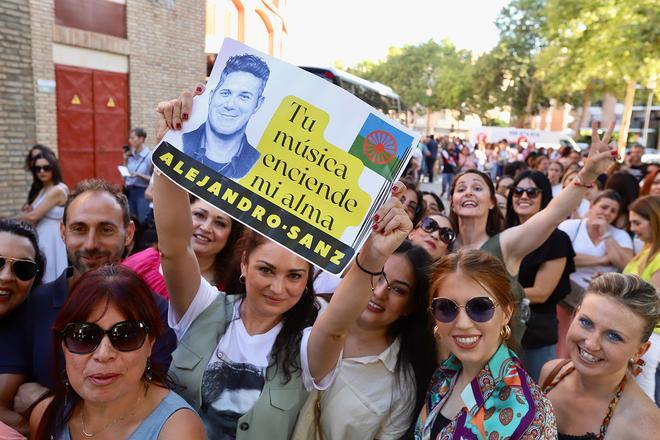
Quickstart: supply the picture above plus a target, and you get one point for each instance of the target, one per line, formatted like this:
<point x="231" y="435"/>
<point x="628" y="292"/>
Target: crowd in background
<point x="519" y="300"/>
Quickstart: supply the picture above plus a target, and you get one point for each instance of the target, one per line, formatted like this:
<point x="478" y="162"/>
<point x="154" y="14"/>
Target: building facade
<point x="79" y="74"/>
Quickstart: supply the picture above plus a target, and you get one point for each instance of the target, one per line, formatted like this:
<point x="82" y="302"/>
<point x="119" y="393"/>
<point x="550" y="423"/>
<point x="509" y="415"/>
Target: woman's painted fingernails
<point x="178" y="126"/>
<point x="376" y="218"/>
<point x="374" y="226"/>
<point x="198" y="89"/>
<point x="614" y="153"/>
<point x="184" y="116"/>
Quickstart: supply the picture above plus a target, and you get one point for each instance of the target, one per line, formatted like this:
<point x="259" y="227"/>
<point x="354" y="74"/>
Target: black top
<point x="542" y="325"/>
<point x="439" y="424"/>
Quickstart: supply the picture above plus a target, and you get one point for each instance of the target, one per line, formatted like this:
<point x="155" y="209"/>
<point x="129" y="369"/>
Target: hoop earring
<point x="435" y="332"/>
<point x="241" y="279"/>
<point x="505" y="333"/>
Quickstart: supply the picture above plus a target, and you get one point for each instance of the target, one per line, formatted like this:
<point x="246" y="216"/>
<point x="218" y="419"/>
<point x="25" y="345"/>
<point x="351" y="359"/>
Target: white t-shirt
<point x="556" y="189"/>
<point x="235" y="375"/>
<point x="576" y="230"/>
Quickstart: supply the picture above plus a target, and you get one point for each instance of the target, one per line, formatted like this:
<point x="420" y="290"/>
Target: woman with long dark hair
<point x="372" y="385"/>
<point x="109" y="385"/>
<point x="238" y="358"/>
<point x="45" y="209"/>
<point x="544" y="273"/>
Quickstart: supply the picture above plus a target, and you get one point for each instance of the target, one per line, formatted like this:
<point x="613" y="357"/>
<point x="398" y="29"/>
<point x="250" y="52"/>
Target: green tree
<point x="430" y="74"/>
<point x="596" y="46"/>
<point x="505" y="76"/>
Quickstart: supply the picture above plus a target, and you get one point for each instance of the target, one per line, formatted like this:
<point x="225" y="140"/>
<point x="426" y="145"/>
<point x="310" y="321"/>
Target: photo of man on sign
<point x="221" y="143"/>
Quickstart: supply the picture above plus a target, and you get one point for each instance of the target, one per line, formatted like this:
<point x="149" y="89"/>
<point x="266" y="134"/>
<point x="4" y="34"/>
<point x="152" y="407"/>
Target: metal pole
<point x="647" y="118"/>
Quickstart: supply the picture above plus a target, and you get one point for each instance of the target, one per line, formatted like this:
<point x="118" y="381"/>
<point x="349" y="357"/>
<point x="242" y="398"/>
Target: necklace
<point x="109" y="424"/>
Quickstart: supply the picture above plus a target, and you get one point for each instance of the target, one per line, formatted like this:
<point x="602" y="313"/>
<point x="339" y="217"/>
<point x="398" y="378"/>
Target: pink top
<point x="7" y="433"/>
<point x="147" y="264"/>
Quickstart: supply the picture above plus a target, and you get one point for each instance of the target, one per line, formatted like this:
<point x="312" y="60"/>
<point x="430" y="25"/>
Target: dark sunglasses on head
<point x="85" y="337"/>
<point x="42" y="168"/>
<point x="24" y="270"/>
<point x="532" y="193"/>
<point x="478" y="309"/>
<point x="447" y="235"/>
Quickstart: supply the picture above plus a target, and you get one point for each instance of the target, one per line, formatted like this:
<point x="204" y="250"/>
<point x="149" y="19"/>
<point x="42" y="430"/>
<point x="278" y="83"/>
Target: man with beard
<point x="96" y="229"/>
<point x="220" y="143"/>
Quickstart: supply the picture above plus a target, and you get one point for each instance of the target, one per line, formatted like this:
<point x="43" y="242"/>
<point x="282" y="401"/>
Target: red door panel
<point x="75" y="123"/>
<point x="92" y="122"/>
<point x="110" y="122"/>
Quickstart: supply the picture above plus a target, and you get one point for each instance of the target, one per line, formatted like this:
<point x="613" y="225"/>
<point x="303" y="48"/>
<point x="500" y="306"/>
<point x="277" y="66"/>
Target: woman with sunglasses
<point x="35" y="153"/>
<point x="478" y="222"/>
<point x="481" y="390"/>
<point x="435" y="234"/>
<point x="594" y="393"/>
<point x="21" y="267"/>
<point x="544" y="273"/>
<point x="45" y="209"/>
<point x="109" y="387"/>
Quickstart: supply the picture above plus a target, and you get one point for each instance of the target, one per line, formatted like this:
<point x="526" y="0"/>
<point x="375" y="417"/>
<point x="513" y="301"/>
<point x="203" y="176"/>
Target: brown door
<point x="92" y="122"/>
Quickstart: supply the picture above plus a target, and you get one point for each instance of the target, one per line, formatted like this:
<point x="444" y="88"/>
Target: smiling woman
<point x="481" y="390"/>
<point x="594" y="393"/>
<point x="105" y="333"/>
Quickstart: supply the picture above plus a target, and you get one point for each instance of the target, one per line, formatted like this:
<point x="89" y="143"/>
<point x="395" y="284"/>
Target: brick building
<point x="76" y="75"/>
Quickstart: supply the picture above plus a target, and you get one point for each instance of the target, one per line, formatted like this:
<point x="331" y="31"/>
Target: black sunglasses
<point x="24" y="270"/>
<point x="44" y="168"/>
<point x="447" y="235"/>
<point x="532" y="193"/>
<point x="478" y="309"/>
<point x="85" y="337"/>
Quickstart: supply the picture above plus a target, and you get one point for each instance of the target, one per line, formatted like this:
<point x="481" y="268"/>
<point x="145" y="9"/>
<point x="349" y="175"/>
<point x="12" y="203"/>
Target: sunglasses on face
<point x="24" y="270"/>
<point x="447" y="235"/>
<point x="85" y="337"/>
<point x="478" y="309"/>
<point x="532" y="193"/>
<point x="42" y="168"/>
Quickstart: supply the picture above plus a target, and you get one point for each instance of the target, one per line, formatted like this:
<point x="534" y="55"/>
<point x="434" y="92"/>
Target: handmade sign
<point x="288" y="154"/>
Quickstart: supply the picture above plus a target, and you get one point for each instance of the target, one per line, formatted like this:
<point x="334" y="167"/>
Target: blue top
<point x="139" y="163"/>
<point x="151" y="426"/>
<point x="26" y="342"/>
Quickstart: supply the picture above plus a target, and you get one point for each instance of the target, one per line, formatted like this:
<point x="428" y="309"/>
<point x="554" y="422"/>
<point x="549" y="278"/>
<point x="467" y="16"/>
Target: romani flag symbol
<point x="380" y="146"/>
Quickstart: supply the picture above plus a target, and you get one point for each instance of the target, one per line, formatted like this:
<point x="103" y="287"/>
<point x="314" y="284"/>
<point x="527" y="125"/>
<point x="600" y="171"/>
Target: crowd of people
<point x="521" y="301"/>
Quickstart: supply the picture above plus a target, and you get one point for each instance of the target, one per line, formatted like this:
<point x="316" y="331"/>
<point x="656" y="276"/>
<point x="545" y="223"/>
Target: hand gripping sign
<point x="288" y="154"/>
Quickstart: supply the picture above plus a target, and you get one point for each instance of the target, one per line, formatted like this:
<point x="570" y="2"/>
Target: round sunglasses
<point x="532" y="193"/>
<point x="24" y="270"/>
<point x="447" y="235"/>
<point x="478" y="309"/>
<point x="85" y="337"/>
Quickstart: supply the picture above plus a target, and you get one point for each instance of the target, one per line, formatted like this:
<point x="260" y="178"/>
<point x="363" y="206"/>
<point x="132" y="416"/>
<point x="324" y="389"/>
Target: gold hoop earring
<point x="505" y="333"/>
<point x="435" y="332"/>
<point x="241" y="279"/>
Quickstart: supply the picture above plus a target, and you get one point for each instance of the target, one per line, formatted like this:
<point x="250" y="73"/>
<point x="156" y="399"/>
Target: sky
<point x="321" y="32"/>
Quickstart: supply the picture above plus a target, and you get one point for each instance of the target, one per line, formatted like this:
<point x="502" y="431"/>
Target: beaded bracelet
<point x="373" y="274"/>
